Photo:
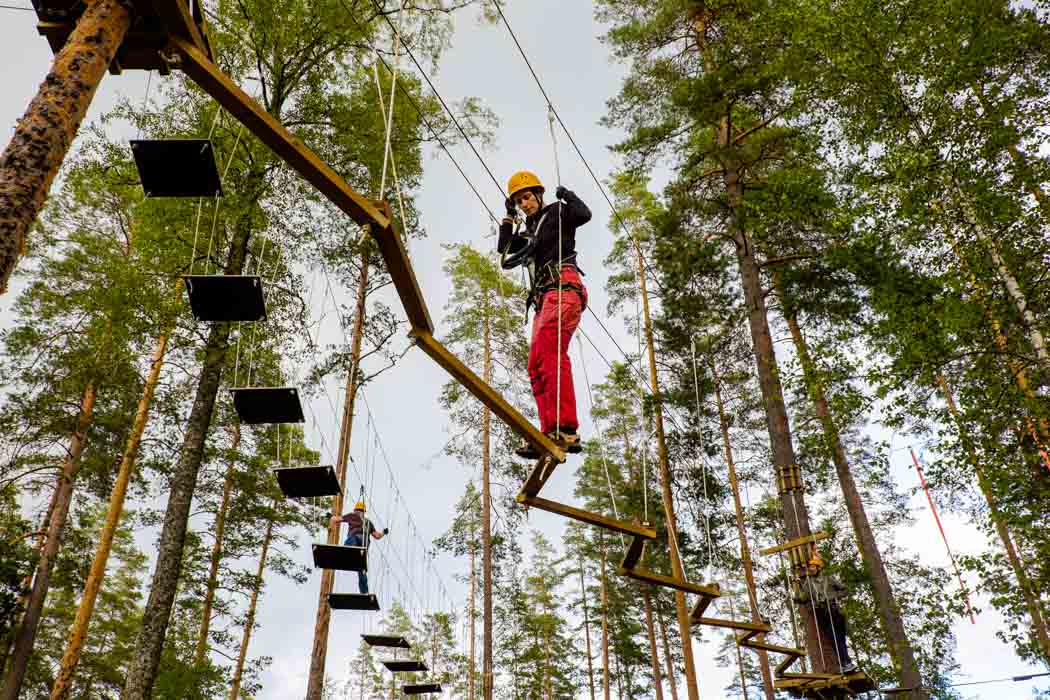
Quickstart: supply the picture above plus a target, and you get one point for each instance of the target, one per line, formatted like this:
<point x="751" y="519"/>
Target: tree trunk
<point x="78" y="633"/>
<point x="587" y="632"/>
<point x="216" y="551"/>
<point x="486" y="523"/>
<point x="605" y="631"/>
<point x="745" y="548"/>
<point x="1029" y="321"/>
<point x="315" y="682"/>
<point x="900" y="647"/>
<point x="658" y="686"/>
<point x="472" y="667"/>
<point x="235" y="686"/>
<point x="668" y="659"/>
<point x="1031" y="599"/>
<point x="47" y="129"/>
<point x="145" y="660"/>
<point x="682" y="612"/>
<point x="23" y="646"/>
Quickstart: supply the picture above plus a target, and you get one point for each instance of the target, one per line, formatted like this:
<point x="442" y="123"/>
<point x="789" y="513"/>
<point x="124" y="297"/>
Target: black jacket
<point x="574" y="213"/>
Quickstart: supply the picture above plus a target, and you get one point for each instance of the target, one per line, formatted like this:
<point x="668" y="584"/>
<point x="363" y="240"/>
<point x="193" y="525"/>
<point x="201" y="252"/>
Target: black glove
<point x="512" y="210"/>
<point x="561" y="192"/>
<point x="386" y="531"/>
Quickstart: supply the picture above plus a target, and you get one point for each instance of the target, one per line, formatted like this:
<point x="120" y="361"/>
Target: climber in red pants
<point x="547" y="247"/>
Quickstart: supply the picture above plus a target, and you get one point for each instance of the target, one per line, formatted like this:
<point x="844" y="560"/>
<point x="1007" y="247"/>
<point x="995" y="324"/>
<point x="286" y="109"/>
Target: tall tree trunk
<point x="145" y="660"/>
<point x="682" y="612"/>
<point x="238" y="672"/>
<point x="315" y="682"/>
<point x="605" y="630"/>
<point x="668" y="658"/>
<point x="587" y="631"/>
<point x="487" y="682"/>
<point x="216" y="550"/>
<point x="472" y="668"/>
<point x="23" y="646"/>
<point x="78" y="632"/>
<point x="1031" y="598"/>
<point x="745" y="548"/>
<point x="47" y="129"/>
<point x="658" y="686"/>
<point x="900" y="647"/>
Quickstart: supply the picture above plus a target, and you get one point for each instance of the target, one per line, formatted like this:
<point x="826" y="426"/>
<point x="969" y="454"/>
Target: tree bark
<point x="587" y="632"/>
<point x="315" y="682"/>
<point x="216" y="551"/>
<point x="668" y="659"/>
<point x="1032" y="603"/>
<point x="605" y="631"/>
<point x="235" y="685"/>
<point x="745" y="548"/>
<point x="486" y="522"/>
<point x="472" y="668"/>
<point x="47" y="129"/>
<point x="24" y="641"/>
<point x="145" y="660"/>
<point x="78" y="632"/>
<point x="900" y="647"/>
<point x="682" y="612"/>
<point x="647" y="598"/>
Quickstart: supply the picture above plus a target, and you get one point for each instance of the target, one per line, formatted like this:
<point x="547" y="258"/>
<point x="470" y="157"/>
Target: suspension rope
<point x="561" y="206"/>
<point x="707" y="503"/>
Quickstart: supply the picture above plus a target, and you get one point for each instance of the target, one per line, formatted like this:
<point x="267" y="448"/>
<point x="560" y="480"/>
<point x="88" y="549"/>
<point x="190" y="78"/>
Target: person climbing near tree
<point x="822" y="592"/>
<point x="358" y="530"/>
<point x="547" y="248"/>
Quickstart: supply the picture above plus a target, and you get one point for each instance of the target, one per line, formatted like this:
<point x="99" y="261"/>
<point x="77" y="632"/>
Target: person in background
<point x="822" y="591"/>
<point x="359" y="529"/>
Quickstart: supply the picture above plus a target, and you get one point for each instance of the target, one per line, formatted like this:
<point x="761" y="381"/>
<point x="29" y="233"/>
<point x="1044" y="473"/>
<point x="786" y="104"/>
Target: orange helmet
<point x="523" y="180"/>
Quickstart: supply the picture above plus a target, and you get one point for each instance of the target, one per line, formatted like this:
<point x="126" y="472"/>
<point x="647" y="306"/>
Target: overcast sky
<point x="561" y="39"/>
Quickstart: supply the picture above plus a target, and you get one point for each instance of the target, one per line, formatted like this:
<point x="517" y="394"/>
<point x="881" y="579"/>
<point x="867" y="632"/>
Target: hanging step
<point x="226" y="298"/>
<point x="756" y="627"/>
<point x="404" y="666"/>
<point x="634" y="553"/>
<point x="587" y="517"/>
<point x="353" y="601"/>
<point x="177" y="167"/>
<point x="259" y="405"/>
<point x="308" y="482"/>
<point x="386" y="640"/>
<point x="669" y="582"/>
<point x="340" y="557"/>
<point x="421" y="688"/>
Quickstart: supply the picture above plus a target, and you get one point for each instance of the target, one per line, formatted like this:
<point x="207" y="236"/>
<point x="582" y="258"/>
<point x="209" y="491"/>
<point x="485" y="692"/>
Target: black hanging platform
<point x="404" y="666"/>
<point x="257" y="405"/>
<point x="308" y="482"/>
<point x="177" y="167"/>
<point x="217" y="298"/>
<point x="385" y="640"/>
<point x="421" y="688"/>
<point x="353" y="601"/>
<point x="340" y="557"/>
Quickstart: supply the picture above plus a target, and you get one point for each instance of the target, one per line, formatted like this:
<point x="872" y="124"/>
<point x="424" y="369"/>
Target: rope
<point x="707" y="516"/>
<point x="557" y="171"/>
<point x="387" y="153"/>
<point x="944" y="537"/>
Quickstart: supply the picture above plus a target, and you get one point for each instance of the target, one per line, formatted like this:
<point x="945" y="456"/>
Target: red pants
<point x="549" y="354"/>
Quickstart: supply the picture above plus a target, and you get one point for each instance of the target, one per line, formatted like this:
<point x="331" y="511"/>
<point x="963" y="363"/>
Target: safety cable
<point x="707" y="516"/>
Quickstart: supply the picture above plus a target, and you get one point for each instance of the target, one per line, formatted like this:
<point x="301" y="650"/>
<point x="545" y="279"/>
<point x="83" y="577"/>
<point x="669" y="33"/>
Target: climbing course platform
<point x="404" y="666"/>
<point x="308" y="482"/>
<point x="340" y="557"/>
<point x="262" y="405"/>
<point x="421" y="688"/>
<point x="177" y="167"/>
<point x="386" y="640"/>
<point x="353" y="601"/>
<point x="226" y="298"/>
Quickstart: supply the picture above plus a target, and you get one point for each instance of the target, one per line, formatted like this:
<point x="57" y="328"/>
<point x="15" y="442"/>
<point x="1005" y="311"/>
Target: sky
<point x="415" y="487"/>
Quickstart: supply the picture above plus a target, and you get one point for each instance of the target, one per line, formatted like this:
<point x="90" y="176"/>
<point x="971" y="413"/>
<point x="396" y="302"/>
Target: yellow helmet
<point x="360" y="506"/>
<point x="522" y="180"/>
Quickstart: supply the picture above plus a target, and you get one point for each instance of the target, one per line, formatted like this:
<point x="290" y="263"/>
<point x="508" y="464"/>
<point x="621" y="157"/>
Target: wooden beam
<point x="176" y="17"/>
<point x="808" y="539"/>
<point x="304" y="161"/>
<point x="587" y="517"/>
<point x="634" y="553"/>
<point x="400" y="268"/>
<point x="488" y="396"/>
<point x="542" y="471"/>
<point x="702" y="603"/>
<point x="730" y="624"/>
<point x="668" y="582"/>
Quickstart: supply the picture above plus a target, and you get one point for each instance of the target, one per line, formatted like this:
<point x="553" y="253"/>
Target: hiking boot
<point x="526" y="451"/>
<point x="570" y="442"/>
<point x="850" y="668"/>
